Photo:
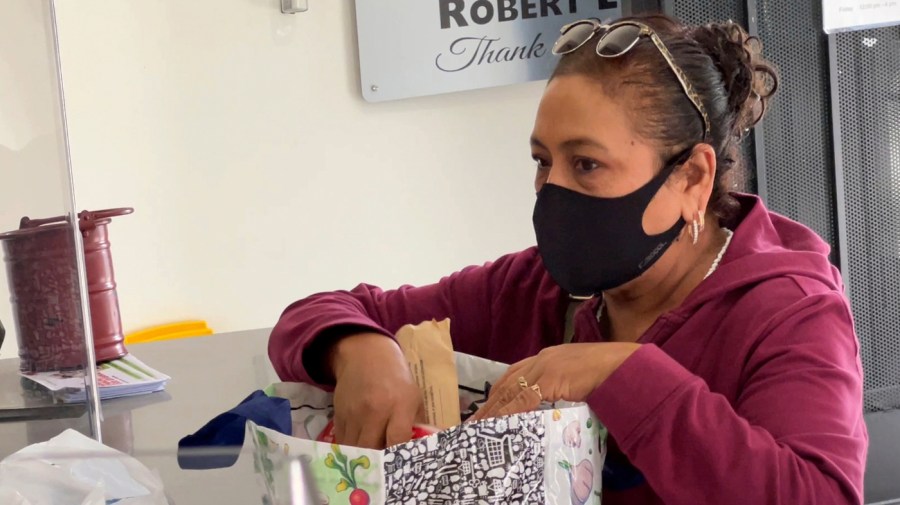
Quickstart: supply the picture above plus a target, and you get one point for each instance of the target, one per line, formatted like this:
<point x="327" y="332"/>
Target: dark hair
<point x="725" y="67"/>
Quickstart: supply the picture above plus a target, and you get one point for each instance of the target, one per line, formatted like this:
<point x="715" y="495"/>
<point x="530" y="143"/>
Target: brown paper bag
<point x="429" y="352"/>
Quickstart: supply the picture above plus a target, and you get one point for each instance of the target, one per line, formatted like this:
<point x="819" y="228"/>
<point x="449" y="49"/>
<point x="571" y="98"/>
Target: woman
<point x="716" y="343"/>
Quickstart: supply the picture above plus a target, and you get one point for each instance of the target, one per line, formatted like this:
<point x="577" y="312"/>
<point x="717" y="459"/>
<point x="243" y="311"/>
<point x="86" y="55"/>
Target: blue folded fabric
<point x="619" y="475"/>
<point x="226" y="432"/>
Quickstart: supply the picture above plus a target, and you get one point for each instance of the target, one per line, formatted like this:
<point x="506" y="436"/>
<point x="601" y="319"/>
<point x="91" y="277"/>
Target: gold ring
<point x="523" y="383"/>
<point x="537" y="389"/>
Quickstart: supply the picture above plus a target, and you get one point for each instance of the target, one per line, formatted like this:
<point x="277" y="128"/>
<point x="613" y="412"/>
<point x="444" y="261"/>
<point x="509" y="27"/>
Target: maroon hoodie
<point x="750" y="392"/>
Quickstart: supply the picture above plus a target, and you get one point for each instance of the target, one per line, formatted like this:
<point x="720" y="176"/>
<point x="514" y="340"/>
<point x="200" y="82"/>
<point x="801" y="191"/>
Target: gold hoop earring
<point x="695" y="231"/>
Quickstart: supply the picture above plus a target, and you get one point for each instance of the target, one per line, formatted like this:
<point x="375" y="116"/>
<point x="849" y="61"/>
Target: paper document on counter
<point x="126" y="376"/>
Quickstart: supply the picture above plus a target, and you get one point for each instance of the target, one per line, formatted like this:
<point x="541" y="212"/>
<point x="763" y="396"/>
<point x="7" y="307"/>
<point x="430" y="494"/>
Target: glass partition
<point x="210" y="376"/>
<point x="42" y="300"/>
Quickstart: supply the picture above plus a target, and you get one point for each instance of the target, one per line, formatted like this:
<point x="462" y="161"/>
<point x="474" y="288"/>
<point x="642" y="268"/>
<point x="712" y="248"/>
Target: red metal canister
<point x="43" y="280"/>
<point x="109" y="340"/>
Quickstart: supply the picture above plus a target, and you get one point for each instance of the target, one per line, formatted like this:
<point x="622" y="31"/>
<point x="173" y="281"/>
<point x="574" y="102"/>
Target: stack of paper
<point x="127" y="376"/>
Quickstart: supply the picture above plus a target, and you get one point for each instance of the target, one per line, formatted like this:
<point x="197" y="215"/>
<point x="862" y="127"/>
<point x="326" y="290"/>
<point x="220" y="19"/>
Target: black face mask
<point x="591" y="244"/>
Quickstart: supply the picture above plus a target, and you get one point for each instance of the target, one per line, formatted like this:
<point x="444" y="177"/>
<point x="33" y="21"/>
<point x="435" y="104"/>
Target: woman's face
<point x="584" y="141"/>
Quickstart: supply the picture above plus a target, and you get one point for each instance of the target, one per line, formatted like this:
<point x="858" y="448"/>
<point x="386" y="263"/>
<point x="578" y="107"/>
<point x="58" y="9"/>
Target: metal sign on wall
<point x="847" y="15"/>
<point x="413" y="48"/>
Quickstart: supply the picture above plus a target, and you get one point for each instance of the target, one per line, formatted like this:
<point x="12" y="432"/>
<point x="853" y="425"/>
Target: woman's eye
<point x="541" y="163"/>
<point x="585" y="165"/>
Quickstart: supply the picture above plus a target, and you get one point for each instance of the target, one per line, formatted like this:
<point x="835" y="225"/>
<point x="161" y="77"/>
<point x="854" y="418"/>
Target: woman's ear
<point x="700" y="177"/>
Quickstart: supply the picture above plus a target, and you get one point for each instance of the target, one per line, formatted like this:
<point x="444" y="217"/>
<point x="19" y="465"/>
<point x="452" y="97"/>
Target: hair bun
<point x="749" y="80"/>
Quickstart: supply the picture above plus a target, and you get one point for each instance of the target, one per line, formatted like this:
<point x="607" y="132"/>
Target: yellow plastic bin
<point x="172" y="331"/>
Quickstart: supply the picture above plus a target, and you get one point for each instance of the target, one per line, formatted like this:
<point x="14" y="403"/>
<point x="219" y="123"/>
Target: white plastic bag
<point x="72" y="469"/>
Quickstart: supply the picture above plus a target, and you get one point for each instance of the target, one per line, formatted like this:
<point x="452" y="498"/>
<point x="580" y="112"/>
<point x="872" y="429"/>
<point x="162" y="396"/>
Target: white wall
<point x="258" y="173"/>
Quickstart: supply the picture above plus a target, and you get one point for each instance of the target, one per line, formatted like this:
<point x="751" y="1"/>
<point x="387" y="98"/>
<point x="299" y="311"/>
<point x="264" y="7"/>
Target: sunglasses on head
<point x="617" y="39"/>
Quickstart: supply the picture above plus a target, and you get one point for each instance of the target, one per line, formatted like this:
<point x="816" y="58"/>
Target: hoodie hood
<point x="766" y="245"/>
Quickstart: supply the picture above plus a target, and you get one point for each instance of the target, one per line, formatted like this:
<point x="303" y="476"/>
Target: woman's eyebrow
<point x="572" y="144"/>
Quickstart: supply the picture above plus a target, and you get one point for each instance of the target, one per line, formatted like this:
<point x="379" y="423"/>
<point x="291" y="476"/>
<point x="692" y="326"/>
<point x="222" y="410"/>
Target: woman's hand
<point x="376" y="400"/>
<point x="569" y="372"/>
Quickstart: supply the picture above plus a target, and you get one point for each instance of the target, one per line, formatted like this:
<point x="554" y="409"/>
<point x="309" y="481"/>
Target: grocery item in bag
<point x="418" y="431"/>
<point x="429" y="352"/>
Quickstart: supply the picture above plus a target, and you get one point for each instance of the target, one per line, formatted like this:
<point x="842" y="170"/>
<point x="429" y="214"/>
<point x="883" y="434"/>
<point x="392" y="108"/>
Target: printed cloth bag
<point x="550" y="456"/>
